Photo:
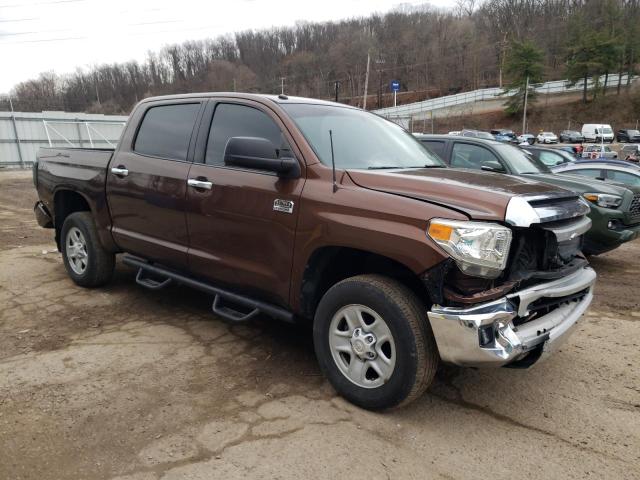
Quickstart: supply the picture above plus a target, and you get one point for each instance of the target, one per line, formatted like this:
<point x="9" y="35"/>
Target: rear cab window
<point x="165" y="131"/>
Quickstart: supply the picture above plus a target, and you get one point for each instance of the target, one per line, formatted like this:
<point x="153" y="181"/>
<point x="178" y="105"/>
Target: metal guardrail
<point x="486" y="94"/>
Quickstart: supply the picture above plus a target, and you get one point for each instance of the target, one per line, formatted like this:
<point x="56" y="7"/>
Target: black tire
<point x="416" y="353"/>
<point x="99" y="262"/>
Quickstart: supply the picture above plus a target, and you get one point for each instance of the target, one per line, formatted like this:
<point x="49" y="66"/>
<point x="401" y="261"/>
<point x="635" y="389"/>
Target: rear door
<point x="240" y="233"/>
<point x="147" y="182"/>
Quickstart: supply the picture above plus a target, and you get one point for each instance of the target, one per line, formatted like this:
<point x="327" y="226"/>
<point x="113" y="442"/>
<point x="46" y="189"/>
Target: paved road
<point x="126" y="383"/>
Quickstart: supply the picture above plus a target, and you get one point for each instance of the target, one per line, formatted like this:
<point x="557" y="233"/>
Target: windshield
<point x="633" y="132"/>
<point x="521" y="162"/>
<point x="360" y="140"/>
<point x="606" y="130"/>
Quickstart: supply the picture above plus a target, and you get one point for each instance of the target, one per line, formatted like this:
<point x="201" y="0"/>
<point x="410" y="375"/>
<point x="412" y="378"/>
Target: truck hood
<point x="579" y="184"/>
<point x="480" y="195"/>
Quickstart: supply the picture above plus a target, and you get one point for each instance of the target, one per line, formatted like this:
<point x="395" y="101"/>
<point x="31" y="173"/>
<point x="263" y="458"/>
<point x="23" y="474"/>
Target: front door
<point x="147" y="184"/>
<point x="242" y="222"/>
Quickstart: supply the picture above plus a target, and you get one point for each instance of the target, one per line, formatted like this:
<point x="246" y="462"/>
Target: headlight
<point x="604" y="200"/>
<point x="479" y="249"/>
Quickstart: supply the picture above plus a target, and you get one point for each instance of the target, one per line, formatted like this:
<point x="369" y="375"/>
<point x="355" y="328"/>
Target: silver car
<point x="613" y="171"/>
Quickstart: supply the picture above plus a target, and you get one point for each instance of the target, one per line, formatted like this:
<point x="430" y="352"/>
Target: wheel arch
<point x="328" y="265"/>
<point x="65" y="202"/>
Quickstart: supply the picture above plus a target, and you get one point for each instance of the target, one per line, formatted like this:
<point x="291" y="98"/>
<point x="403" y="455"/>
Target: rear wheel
<point x="86" y="261"/>
<point x="374" y="342"/>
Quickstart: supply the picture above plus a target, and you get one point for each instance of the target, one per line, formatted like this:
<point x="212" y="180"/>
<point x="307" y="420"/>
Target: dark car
<point x="628" y="135"/>
<point x="615" y="208"/>
<point x="571" y="136"/>
<point x="551" y="157"/>
<point x="477" y="134"/>
<point x="316" y="212"/>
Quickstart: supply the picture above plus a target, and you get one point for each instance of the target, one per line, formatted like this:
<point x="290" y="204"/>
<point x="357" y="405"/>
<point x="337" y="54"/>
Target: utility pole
<point x="337" y="86"/>
<point x="282" y="85"/>
<point x="366" y="84"/>
<point x="524" y="113"/>
<point x="234" y="84"/>
<point x="10" y="104"/>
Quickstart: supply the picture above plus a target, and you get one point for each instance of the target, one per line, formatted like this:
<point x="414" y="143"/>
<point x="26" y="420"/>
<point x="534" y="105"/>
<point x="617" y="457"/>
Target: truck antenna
<point x="333" y="162"/>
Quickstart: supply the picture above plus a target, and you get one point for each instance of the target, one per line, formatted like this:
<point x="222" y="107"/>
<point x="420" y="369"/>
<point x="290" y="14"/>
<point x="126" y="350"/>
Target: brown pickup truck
<point x="304" y="210"/>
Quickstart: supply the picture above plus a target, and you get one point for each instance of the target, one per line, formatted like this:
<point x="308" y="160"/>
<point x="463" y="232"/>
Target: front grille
<point x="634" y="209"/>
<point x="545" y="305"/>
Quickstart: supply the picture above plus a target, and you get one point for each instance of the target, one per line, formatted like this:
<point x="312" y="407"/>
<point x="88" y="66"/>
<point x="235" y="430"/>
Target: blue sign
<point x="395" y="85"/>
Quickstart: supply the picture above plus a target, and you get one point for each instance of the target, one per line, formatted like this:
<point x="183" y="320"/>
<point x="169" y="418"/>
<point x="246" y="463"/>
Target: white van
<point x="597" y="132"/>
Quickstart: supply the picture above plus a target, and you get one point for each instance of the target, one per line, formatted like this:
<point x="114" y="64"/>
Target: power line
<point x="17" y="5"/>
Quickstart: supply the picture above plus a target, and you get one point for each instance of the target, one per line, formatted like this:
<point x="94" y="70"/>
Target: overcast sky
<point x="61" y="35"/>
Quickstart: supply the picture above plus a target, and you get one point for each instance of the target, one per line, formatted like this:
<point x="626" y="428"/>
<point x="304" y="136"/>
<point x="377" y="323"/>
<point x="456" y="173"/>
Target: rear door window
<point x="465" y="155"/>
<point x="166" y="130"/>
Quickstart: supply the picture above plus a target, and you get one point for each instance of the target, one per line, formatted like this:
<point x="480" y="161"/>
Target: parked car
<point x="614" y="171"/>
<point x="310" y="211"/>
<point x="571" y="136"/>
<point x="597" y="132"/>
<point x="630" y="153"/>
<point x="547" y="137"/>
<point x="526" y="137"/>
<point x="628" y="135"/>
<point x="615" y="209"/>
<point x="455" y="132"/>
<point x="598" y="151"/>
<point x="575" y="150"/>
<point x="477" y="134"/>
<point x="504" y="135"/>
<point x="551" y="157"/>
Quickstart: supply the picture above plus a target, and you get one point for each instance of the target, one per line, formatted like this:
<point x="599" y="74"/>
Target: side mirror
<point x="259" y="154"/>
<point x="493" y="166"/>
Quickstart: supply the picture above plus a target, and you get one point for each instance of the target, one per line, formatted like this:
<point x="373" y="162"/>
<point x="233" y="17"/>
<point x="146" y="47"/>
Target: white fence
<point x="420" y="110"/>
<point x="21" y="133"/>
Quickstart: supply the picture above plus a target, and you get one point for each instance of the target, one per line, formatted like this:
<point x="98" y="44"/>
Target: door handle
<point x="195" y="183"/>
<point x="120" y="171"/>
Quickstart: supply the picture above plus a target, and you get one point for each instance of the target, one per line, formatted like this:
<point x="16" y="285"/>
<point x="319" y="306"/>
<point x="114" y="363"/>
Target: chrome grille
<point x="634" y="209"/>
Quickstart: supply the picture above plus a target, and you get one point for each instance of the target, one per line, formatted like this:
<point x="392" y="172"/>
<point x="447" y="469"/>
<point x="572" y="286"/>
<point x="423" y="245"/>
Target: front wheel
<point x="86" y="261"/>
<point x="374" y="343"/>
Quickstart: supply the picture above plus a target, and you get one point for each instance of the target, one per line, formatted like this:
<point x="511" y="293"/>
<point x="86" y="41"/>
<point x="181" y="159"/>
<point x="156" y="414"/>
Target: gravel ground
<point x="123" y="382"/>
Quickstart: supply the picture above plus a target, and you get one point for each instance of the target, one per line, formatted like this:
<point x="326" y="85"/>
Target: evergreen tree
<point x="523" y="64"/>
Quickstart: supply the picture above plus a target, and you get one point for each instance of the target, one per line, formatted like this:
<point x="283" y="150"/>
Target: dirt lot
<point x="123" y="382"/>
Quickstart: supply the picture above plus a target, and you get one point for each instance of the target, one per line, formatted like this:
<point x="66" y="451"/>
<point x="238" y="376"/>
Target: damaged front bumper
<point x="528" y="323"/>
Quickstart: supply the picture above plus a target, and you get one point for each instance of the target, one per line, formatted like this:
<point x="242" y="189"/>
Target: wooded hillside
<point x="431" y="51"/>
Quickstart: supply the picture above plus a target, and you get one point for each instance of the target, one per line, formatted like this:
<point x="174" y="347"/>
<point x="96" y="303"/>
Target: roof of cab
<point x="280" y="99"/>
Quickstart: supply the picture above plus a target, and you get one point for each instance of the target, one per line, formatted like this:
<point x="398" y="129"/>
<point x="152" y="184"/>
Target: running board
<point x="226" y="312"/>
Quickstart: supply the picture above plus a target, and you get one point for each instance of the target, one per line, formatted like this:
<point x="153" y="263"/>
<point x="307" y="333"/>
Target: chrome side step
<point x="226" y="312"/>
